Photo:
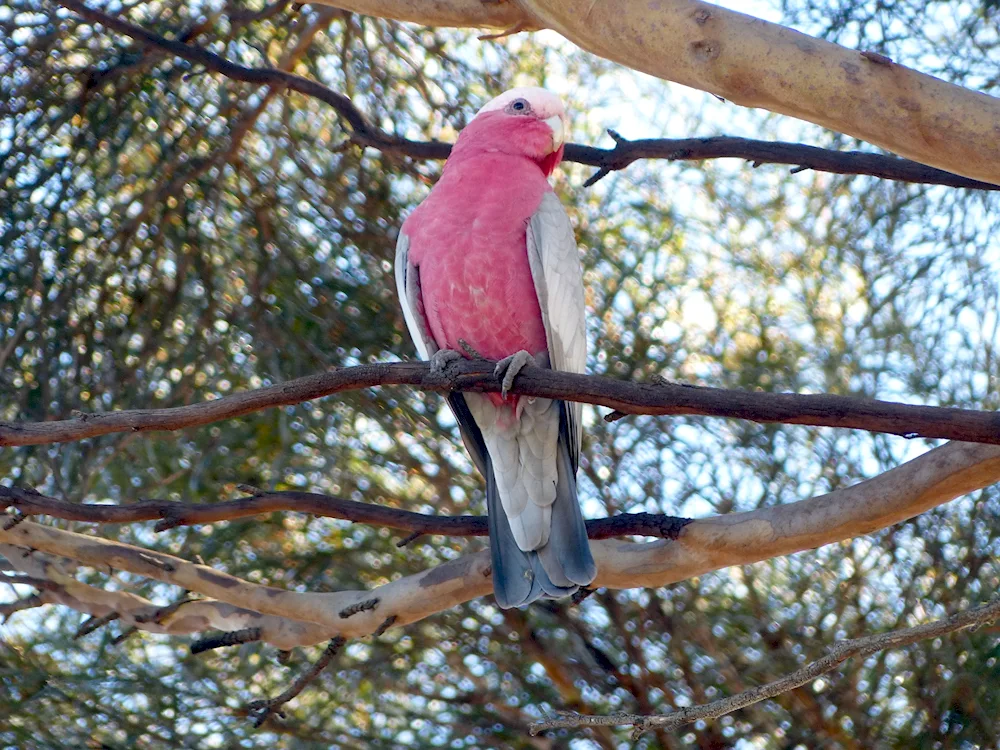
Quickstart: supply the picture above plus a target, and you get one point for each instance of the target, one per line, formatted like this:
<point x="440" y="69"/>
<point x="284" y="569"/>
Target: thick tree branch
<point x="659" y="398"/>
<point x="838" y="653"/>
<point x="754" y="63"/>
<point x="182" y="618"/>
<point x="701" y="546"/>
<point x="625" y="152"/>
<point x="171" y="514"/>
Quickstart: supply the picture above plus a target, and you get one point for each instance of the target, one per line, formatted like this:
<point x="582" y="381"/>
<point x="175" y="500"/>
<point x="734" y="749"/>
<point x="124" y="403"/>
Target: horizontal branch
<point x="133" y="611"/>
<point x="366" y="134"/>
<point x="171" y="514"/>
<point x="701" y="546"/>
<point x="661" y="398"/>
<point x="839" y="652"/>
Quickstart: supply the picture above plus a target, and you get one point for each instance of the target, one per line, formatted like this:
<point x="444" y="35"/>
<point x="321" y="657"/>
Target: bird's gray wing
<point x="558" y="276"/>
<point x="408" y="288"/>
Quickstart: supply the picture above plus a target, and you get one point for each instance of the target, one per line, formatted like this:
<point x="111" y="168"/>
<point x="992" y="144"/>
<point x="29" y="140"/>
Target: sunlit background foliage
<point x="168" y="235"/>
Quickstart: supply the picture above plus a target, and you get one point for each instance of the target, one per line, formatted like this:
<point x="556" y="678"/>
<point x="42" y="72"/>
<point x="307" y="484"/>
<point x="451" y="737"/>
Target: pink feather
<point x="469" y="238"/>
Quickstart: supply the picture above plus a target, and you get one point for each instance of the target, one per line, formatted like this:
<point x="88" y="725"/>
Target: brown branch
<point x="261" y="710"/>
<point x="661" y="398"/>
<point x="839" y="652"/>
<point x="93" y="623"/>
<point x="625" y="152"/>
<point x="173" y="514"/>
<point x="797" y="155"/>
<point x="29" y="602"/>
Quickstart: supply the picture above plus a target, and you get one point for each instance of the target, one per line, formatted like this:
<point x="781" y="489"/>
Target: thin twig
<point x="838" y="653"/>
<point x="93" y="623"/>
<point x="261" y="710"/>
<point x="625" y="152"/>
<point x="821" y="410"/>
<point x="411" y="537"/>
<point x="124" y="635"/>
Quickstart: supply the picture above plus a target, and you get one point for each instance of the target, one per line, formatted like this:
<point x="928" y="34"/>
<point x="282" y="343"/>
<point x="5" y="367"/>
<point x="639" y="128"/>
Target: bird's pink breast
<point x="468" y="241"/>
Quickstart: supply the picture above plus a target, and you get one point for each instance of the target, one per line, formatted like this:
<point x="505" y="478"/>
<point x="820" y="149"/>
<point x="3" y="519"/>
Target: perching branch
<point x="839" y="652"/>
<point x="661" y="398"/>
<point x="366" y="134"/>
<point x="701" y="546"/>
<point x="172" y="514"/>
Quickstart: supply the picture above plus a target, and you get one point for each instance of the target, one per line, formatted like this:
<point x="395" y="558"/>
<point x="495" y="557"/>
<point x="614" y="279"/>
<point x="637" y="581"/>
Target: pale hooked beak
<point x="558" y="128"/>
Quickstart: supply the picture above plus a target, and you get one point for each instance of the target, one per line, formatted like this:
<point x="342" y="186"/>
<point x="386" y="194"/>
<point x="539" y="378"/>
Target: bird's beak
<point x="558" y="128"/>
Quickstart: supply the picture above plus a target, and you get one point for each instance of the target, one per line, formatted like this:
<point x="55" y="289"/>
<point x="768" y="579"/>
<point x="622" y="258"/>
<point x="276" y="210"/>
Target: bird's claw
<point x="509" y="367"/>
<point x="469" y="350"/>
<point x="441" y="359"/>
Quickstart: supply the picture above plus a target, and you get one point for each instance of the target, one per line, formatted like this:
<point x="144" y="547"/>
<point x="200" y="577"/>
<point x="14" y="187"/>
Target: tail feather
<point x="567" y="557"/>
<point x="559" y="567"/>
<point x="513" y="579"/>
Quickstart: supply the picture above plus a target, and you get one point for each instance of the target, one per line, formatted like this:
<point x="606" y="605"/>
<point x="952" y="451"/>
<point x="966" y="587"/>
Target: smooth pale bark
<point x="756" y="64"/>
<point x="135" y="611"/>
<point x="702" y="546"/>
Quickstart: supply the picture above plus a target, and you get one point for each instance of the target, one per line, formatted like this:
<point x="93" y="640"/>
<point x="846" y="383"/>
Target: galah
<point x="488" y="265"/>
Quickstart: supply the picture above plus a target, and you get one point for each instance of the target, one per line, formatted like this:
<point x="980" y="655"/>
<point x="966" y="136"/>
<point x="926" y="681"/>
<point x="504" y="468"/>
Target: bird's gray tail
<point x="565" y="562"/>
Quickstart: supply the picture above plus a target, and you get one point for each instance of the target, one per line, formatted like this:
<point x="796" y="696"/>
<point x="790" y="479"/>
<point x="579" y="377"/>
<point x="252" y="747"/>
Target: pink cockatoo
<point x="488" y="264"/>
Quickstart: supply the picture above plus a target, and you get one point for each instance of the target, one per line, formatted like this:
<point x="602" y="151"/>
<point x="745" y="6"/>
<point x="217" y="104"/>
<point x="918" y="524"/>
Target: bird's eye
<point x="520" y="106"/>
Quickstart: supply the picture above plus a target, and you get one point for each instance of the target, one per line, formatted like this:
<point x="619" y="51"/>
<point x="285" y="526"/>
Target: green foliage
<point x="168" y="235"/>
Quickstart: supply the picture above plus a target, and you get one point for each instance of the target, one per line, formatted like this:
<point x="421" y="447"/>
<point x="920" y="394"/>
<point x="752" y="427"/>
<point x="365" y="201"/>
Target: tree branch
<point x="660" y="398"/>
<point x="701" y="546"/>
<point x="261" y="710"/>
<point x="754" y="63"/>
<point x="625" y="152"/>
<point x="172" y="514"/>
<point x="181" y="618"/>
<point x="840" y="652"/>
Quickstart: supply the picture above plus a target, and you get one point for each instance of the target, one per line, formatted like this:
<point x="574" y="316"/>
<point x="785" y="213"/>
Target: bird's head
<point x="527" y="121"/>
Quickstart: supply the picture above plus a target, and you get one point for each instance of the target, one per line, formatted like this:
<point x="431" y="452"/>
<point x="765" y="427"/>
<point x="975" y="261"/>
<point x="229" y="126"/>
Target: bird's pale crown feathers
<point x="542" y="104"/>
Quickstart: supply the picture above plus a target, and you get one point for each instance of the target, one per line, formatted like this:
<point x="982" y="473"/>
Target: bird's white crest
<point x="543" y="102"/>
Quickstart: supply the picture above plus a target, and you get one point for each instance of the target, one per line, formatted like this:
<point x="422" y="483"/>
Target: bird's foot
<point x="441" y="359"/>
<point x="509" y="367"/>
